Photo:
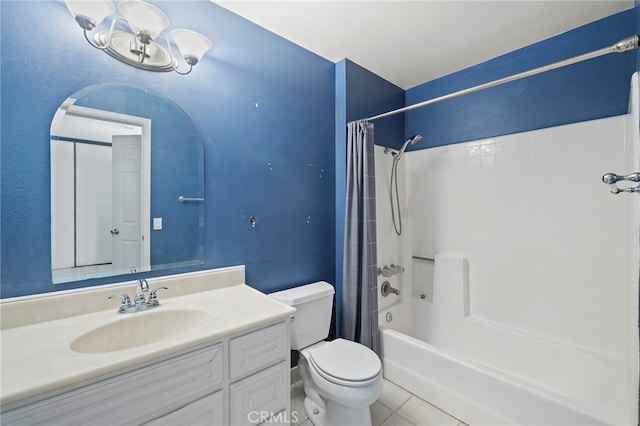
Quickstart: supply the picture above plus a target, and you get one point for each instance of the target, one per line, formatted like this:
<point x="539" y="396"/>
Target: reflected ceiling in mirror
<point x="122" y="159"/>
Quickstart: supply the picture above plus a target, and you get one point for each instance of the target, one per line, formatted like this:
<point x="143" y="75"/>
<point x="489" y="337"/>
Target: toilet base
<point x="336" y="414"/>
<point x="316" y="414"/>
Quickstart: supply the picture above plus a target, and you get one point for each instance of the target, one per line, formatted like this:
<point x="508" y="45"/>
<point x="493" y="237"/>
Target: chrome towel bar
<point x="184" y="199"/>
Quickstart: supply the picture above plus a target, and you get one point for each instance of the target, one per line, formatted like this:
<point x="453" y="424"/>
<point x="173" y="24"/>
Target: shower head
<point x="414" y="139"/>
<point x="411" y="141"/>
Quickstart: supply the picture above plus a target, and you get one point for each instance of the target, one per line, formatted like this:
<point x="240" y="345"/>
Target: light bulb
<point x="146" y="20"/>
<point x="192" y="45"/>
<point x="89" y="13"/>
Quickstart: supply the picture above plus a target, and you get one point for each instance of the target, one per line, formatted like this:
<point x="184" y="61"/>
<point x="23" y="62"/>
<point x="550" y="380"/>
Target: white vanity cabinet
<point x="205" y="411"/>
<point x="233" y="381"/>
<point x="259" y="375"/>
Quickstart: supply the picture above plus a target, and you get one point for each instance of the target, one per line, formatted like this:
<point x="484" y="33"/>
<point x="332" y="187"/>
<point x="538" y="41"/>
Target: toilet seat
<point x="345" y="363"/>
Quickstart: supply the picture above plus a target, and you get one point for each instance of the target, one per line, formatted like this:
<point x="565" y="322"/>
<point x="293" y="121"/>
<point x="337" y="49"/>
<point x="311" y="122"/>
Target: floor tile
<point x="395" y="407"/>
<point x="379" y="413"/>
<point x="396" y="420"/>
<point x="393" y="396"/>
<point x="425" y="414"/>
<point x="297" y="404"/>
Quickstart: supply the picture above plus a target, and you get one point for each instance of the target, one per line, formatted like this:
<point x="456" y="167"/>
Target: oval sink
<point x="138" y="329"/>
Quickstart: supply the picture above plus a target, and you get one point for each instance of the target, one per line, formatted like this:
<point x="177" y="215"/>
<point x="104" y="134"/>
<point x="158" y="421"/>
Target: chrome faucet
<point x="140" y="302"/>
<point x="386" y="289"/>
<point x="143" y="287"/>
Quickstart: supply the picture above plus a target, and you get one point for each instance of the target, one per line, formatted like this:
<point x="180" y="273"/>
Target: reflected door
<point x="92" y="204"/>
<point x="126" y="231"/>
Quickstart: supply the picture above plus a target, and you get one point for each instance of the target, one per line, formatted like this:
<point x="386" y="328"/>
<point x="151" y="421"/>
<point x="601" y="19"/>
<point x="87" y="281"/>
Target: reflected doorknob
<point x="115" y="231"/>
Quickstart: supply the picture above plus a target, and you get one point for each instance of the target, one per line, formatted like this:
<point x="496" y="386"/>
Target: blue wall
<point x="589" y="90"/>
<point x="273" y="121"/>
<point x="637" y="19"/>
<point x="264" y="109"/>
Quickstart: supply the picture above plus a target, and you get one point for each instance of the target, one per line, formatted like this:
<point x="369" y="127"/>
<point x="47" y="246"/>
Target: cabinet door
<point x="260" y="396"/>
<point x="207" y="411"/>
<point x="256" y="350"/>
<point x="131" y="398"/>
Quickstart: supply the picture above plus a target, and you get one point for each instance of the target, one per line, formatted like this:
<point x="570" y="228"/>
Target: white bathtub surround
<point x="632" y="156"/>
<point x="530" y="314"/>
<point x="489" y="374"/>
<point x="392" y="249"/>
<point x="540" y="230"/>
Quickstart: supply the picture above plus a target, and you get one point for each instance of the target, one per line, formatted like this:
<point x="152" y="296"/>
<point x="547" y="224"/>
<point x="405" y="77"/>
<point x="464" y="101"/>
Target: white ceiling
<point x="412" y="42"/>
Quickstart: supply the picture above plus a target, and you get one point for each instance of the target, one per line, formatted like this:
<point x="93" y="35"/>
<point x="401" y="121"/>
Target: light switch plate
<point x="157" y="223"/>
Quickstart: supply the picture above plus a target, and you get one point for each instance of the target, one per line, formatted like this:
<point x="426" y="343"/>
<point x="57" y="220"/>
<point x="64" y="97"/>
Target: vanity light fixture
<point x="138" y="46"/>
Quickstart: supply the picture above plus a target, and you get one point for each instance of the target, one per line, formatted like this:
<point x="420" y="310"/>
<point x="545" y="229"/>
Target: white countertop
<point x="36" y="358"/>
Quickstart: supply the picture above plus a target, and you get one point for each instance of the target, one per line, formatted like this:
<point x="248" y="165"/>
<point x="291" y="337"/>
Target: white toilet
<point x="341" y="378"/>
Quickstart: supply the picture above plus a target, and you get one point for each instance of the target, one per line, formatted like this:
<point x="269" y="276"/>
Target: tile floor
<point x="395" y="407"/>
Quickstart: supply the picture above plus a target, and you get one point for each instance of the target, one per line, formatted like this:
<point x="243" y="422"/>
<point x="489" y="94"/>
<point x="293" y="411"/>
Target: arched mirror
<point x="127" y="184"/>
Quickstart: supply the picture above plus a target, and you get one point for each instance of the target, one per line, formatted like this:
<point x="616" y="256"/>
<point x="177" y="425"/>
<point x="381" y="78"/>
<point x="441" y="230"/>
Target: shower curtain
<point x="359" y="277"/>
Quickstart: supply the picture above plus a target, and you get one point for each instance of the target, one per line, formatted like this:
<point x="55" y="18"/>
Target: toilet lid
<point x="343" y="360"/>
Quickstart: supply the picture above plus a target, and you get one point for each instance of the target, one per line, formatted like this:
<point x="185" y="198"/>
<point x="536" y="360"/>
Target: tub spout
<point x="386" y="289"/>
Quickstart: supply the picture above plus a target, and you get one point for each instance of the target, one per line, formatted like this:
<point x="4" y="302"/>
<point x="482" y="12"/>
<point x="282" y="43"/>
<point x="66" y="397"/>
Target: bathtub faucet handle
<point x="386" y="289"/>
<point x="396" y="269"/>
<point x="385" y="271"/>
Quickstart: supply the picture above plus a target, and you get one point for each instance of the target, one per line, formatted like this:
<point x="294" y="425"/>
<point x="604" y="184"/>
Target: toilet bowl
<point x="347" y="390"/>
<point x="341" y="378"/>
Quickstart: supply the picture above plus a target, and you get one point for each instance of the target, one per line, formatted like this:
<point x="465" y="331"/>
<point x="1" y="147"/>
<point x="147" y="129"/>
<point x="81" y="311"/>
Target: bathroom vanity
<point x="222" y="356"/>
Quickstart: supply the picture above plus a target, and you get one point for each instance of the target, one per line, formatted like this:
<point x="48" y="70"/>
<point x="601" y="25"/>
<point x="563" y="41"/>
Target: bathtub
<point x="570" y="355"/>
<point x="562" y="386"/>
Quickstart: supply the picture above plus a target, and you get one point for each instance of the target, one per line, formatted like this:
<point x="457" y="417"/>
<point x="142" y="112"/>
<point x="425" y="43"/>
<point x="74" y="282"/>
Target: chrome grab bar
<point x="184" y="199"/>
<point x="611" y="179"/>
<point x="426" y="259"/>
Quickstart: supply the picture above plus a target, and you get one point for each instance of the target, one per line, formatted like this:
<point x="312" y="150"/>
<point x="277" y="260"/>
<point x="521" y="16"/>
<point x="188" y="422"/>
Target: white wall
<point x="544" y="237"/>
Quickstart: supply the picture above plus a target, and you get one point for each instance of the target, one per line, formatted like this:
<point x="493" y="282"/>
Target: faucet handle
<point x="153" y="298"/>
<point x="396" y="269"/>
<point x="126" y="302"/>
<point x="386" y="289"/>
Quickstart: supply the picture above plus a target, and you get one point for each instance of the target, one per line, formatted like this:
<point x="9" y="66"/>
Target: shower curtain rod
<point x="626" y="44"/>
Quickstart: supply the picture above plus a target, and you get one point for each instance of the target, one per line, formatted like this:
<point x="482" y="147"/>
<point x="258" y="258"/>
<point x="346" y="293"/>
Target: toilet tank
<point x="314" y="303"/>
